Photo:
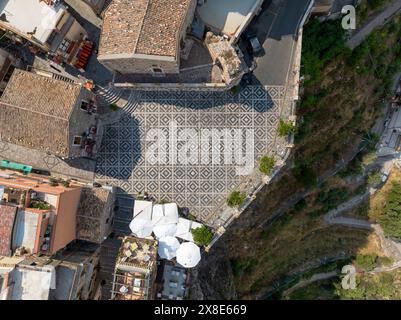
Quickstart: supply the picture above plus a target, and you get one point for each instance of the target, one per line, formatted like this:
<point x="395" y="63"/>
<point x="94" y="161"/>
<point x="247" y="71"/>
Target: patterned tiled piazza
<point x="192" y="148"/>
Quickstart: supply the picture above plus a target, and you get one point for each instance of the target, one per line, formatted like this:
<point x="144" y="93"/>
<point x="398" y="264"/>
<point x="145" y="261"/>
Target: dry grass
<point x="371" y="246"/>
<point x="378" y="202"/>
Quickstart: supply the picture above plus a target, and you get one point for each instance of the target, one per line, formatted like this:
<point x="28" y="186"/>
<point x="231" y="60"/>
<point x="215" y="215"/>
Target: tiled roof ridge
<point x="36" y="112"/>
<point x="142" y="24"/>
<point x="32" y="75"/>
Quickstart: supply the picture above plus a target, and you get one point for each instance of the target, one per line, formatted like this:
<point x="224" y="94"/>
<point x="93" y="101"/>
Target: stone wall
<point x="177" y="86"/>
<point x="138" y="65"/>
<point x="188" y="20"/>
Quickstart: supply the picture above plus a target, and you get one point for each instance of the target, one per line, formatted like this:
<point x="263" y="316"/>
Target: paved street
<point x="198" y="187"/>
<point x="81" y="168"/>
<point x="276" y="29"/>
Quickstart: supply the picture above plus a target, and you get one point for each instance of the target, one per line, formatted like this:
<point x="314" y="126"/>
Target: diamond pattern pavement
<point x="122" y="160"/>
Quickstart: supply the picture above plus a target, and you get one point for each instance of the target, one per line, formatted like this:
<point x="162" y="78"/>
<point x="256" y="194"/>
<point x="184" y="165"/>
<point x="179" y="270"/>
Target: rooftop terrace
<point x="135" y="263"/>
<point x="32" y="16"/>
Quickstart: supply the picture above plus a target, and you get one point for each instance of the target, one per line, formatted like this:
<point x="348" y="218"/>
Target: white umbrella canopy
<point x="141" y="228"/>
<point x="168" y="247"/>
<point x="165" y="230"/>
<point x="141" y="224"/>
<point x="165" y="214"/>
<point x="143" y="209"/>
<point x="188" y="255"/>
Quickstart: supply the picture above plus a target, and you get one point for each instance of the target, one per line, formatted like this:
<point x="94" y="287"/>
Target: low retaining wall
<point x="178" y="86"/>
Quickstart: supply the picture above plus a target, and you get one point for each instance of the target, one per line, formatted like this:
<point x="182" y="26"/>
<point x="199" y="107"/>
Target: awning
<point x="84" y="54"/>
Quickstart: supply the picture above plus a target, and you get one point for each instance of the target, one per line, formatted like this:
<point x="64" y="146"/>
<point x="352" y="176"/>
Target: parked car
<point x="385" y="175"/>
<point x="255" y="44"/>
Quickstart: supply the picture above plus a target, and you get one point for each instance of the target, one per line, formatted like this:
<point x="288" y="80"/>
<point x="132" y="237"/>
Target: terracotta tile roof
<point x="35" y="111"/>
<point x="7" y="217"/>
<point x="143" y="26"/>
<point x="92" y="205"/>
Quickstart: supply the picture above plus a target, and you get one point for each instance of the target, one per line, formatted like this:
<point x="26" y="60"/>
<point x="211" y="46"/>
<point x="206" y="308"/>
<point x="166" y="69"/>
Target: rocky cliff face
<point x="213" y="278"/>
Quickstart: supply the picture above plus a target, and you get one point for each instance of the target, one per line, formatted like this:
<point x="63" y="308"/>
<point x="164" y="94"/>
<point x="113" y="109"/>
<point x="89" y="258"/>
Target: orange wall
<point x="64" y="229"/>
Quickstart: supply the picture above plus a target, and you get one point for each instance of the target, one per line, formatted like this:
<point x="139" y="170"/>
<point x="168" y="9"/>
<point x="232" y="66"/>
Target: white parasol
<point x="165" y="214"/>
<point x="168" y="247"/>
<point x="141" y="224"/>
<point x="165" y="230"/>
<point x="188" y="255"/>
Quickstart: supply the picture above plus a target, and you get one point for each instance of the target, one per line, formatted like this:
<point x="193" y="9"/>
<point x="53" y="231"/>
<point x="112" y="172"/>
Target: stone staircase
<point x="108" y="95"/>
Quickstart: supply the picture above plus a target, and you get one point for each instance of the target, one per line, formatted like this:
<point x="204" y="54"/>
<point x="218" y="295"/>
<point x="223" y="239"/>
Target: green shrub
<point x="333" y="197"/>
<point x="40" y="205"/>
<point x="322" y="42"/>
<point x="354" y="168"/>
<point x="285" y="128"/>
<point x="235" y="90"/>
<point x="66" y="183"/>
<point x="202" y="236"/>
<point x="190" y="216"/>
<point x="114" y="106"/>
<point x="369" y="158"/>
<point x="390" y="220"/>
<point x="300" y="205"/>
<point x="236" y="199"/>
<point x="53" y="182"/>
<point x="366" y="261"/>
<point x="305" y="174"/>
<point x="267" y="165"/>
<point x="386" y="261"/>
<point x="375" y="178"/>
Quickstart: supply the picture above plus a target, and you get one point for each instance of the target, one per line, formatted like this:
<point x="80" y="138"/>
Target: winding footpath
<point x="379" y="20"/>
